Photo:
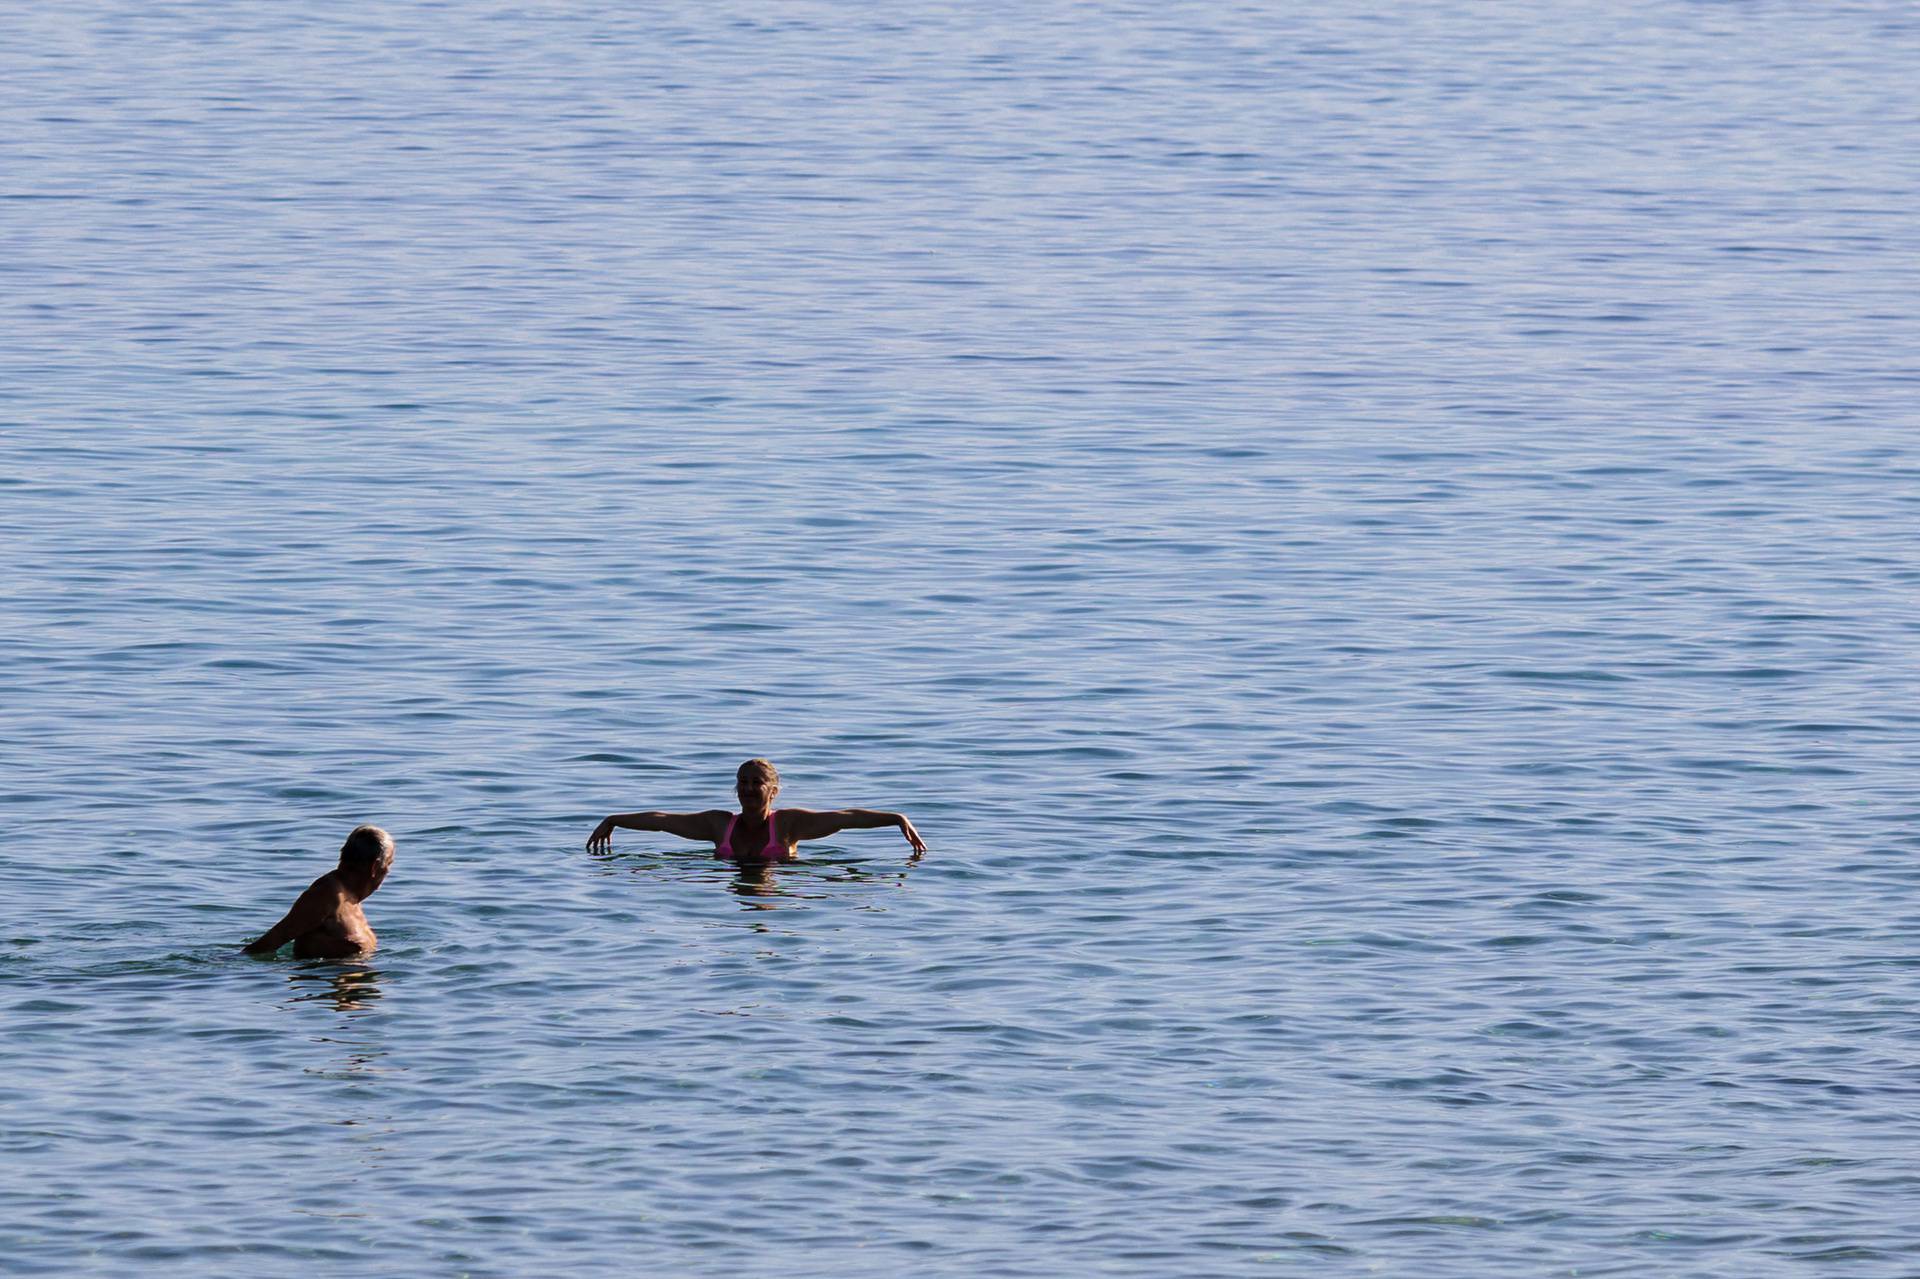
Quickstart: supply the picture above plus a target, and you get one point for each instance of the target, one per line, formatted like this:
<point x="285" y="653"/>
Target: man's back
<point x="343" y="928"/>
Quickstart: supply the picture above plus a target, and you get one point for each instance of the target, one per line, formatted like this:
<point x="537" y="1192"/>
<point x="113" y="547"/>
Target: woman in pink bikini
<point x="756" y="835"/>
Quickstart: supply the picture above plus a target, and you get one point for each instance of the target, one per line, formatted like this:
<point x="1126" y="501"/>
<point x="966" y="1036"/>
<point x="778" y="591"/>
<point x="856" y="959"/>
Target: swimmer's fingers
<point x="602" y="837"/>
<point x="913" y="837"/>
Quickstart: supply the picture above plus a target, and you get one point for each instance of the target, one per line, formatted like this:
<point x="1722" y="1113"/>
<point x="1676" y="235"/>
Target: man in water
<point x="327" y="922"/>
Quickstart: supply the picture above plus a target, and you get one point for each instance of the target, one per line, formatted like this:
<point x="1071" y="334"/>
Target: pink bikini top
<point x="773" y="852"/>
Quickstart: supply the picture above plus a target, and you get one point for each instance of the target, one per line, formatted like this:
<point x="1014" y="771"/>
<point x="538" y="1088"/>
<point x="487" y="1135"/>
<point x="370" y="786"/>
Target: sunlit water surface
<point x="1377" y="547"/>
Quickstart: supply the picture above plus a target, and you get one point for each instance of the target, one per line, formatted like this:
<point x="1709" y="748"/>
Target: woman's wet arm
<point x="685" y="825"/>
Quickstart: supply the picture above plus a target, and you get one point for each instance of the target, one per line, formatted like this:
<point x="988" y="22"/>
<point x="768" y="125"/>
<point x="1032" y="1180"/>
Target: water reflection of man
<point x="348" y="988"/>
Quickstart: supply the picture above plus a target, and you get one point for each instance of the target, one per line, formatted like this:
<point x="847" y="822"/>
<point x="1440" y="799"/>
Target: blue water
<point x="1377" y="546"/>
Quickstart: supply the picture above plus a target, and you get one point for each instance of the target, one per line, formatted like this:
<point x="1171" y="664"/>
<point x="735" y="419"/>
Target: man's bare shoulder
<point x="325" y="889"/>
<point x="323" y="903"/>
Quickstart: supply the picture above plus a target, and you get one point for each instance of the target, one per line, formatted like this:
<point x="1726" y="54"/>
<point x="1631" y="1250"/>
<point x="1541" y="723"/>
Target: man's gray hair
<point x="367" y="845"/>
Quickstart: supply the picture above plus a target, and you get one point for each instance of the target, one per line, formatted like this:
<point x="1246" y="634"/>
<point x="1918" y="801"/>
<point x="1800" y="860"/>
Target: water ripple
<point x="1377" y="551"/>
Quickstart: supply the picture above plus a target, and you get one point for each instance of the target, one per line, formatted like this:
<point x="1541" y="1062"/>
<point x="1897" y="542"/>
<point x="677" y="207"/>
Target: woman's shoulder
<point x="714" y="820"/>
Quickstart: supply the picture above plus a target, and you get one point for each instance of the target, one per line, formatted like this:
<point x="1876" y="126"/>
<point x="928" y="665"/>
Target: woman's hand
<point x="602" y="837"/>
<point x="913" y="836"/>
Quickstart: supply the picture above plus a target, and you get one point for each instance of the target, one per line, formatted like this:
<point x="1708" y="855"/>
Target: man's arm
<point x="307" y="913"/>
<point x="801" y="823"/>
<point x="702" y="826"/>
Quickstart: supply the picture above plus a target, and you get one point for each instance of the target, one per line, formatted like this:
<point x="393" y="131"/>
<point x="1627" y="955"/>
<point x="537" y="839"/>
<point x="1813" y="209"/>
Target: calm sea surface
<point x="1378" y="547"/>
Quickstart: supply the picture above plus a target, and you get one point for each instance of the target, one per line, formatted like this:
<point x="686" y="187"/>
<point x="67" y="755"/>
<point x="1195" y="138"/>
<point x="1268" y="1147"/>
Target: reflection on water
<point x="758" y="883"/>
<point x="349" y="987"/>
<point x="759" y="886"/>
<point x="353" y="989"/>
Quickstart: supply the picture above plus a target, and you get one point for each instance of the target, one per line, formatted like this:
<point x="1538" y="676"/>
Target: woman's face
<point x="756" y="792"/>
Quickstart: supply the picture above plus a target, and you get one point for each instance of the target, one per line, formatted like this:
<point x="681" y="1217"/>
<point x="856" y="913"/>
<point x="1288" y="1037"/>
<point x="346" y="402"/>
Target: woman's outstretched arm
<point x="799" y="823"/>
<point x="703" y="826"/>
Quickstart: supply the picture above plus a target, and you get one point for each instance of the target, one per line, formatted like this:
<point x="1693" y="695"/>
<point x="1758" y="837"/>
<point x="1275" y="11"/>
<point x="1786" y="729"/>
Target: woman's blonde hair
<point x="760" y="768"/>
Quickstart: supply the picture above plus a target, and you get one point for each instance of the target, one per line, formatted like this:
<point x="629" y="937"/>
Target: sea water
<point x="1376" y="544"/>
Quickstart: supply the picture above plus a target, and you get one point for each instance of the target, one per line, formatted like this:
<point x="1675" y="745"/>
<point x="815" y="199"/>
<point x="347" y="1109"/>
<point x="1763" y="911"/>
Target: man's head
<point x="367" y="853"/>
